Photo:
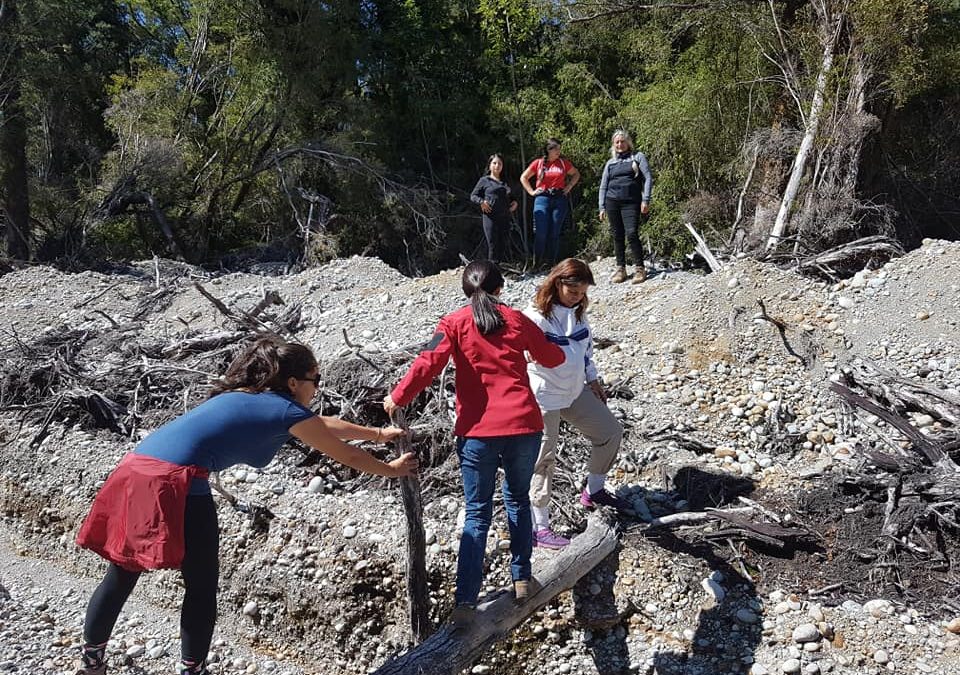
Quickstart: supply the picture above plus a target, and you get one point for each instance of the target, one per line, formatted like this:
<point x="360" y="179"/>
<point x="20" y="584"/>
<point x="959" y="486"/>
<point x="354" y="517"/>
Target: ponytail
<point x="266" y="365"/>
<point x="481" y="279"/>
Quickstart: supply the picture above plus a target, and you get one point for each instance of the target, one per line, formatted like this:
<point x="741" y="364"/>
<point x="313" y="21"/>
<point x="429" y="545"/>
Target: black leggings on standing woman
<point x="496" y="229"/>
<point x="624" y="217"/>
<point x="201" y="571"/>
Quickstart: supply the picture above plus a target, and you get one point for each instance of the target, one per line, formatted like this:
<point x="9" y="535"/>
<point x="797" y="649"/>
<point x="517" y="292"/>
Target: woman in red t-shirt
<point x="555" y="177"/>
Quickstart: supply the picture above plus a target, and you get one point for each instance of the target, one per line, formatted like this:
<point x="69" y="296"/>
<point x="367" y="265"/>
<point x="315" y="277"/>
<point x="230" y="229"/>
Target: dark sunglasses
<point x="315" y="379"/>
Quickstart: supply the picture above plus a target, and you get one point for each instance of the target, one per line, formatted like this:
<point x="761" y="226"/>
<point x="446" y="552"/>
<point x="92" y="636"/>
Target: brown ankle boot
<point x="619" y="276"/>
<point x="640" y="275"/>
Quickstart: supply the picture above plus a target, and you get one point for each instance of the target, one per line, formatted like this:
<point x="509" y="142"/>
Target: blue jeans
<point x="479" y="459"/>
<point x="549" y="212"/>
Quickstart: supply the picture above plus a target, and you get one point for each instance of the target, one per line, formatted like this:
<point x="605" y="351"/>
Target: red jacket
<point x="493" y="392"/>
<point x="136" y="520"/>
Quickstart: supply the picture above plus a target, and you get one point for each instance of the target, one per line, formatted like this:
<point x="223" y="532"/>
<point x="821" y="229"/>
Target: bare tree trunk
<point x="13" y="138"/>
<point x="806" y="145"/>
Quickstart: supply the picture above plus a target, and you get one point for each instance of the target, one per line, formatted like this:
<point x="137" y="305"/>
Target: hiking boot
<point x="640" y="275"/>
<point x="463" y="614"/>
<point x="602" y="498"/>
<point x="547" y="538"/>
<point x="524" y="588"/>
<point x="619" y="276"/>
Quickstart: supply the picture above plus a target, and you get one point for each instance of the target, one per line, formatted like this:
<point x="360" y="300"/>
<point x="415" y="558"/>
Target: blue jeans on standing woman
<point x="479" y="460"/>
<point x="549" y="212"/>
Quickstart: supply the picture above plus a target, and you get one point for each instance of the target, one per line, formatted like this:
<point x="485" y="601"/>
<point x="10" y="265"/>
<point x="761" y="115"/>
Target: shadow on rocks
<point x="728" y="626"/>
<point x="602" y="618"/>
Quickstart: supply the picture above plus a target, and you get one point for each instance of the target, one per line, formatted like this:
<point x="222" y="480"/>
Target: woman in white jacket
<point x="570" y="392"/>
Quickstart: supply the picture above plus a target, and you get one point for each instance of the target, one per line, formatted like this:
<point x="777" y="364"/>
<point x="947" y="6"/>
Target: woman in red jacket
<point x="498" y="420"/>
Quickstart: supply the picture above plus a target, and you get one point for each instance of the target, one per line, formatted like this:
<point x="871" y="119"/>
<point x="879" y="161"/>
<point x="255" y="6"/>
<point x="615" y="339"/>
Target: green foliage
<point x="232" y="118"/>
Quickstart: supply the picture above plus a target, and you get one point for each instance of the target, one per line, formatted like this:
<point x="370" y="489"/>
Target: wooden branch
<point x="933" y="454"/>
<point x="417" y="591"/>
<point x="452" y="648"/>
<point x="704" y="250"/>
<point x="782" y="329"/>
<point x="202" y="343"/>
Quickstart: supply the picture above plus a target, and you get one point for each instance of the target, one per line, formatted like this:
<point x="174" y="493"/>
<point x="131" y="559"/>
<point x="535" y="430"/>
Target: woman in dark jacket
<point x="496" y="203"/>
<point x="624" y="197"/>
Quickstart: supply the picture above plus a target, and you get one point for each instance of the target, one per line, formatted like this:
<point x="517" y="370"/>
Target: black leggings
<point x="496" y="229"/>
<point x="623" y="217"/>
<point x="200" y="569"/>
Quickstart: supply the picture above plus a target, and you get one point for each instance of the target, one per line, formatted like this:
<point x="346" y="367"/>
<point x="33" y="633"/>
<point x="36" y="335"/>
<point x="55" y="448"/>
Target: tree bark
<point x="451" y="649"/>
<point x="418" y="605"/>
<point x="13" y="138"/>
<point x="806" y="145"/>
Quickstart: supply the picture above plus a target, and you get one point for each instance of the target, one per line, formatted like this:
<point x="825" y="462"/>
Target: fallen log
<point x="453" y="648"/>
<point x="846" y="259"/>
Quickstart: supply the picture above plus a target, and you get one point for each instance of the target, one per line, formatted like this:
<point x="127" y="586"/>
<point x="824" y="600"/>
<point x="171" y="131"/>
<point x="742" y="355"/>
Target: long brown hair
<point x="571" y="270"/>
<point x="266" y="365"/>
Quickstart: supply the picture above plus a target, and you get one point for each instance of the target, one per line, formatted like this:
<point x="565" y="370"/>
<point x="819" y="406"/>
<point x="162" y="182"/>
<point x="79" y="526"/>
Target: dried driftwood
<point x="847" y="259"/>
<point x="917" y="480"/>
<point x="417" y="591"/>
<point x="451" y="648"/>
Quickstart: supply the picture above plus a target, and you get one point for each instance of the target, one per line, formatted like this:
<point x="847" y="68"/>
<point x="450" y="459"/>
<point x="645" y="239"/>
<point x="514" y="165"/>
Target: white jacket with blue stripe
<point x="557" y="388"/>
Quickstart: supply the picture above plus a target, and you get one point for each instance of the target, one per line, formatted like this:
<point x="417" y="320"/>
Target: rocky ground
<point x="322" y="590"/>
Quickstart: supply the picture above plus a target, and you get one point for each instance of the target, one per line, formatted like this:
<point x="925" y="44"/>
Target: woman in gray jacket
<point x="623" y="199"/>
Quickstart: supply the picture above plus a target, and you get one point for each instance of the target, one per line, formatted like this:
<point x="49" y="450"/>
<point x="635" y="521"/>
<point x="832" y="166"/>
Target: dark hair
<point x="551" y="144"/>
<point x="481" y="279"/>
<point x="492" y="157"/>
<point x="266" y="365"/>
<point x="569" y="271"/>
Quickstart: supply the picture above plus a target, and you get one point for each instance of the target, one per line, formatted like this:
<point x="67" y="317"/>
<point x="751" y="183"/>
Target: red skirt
<point x="136" y="520"/>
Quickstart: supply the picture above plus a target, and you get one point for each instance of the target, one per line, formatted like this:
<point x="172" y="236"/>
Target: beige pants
<point x="595" y="421"/>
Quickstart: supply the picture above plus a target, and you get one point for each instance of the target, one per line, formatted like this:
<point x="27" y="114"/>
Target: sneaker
<point x="463" y="613"/>
<point x="93" y="670"/>
<point x="602" y="498"/>
<point x="197" y="669"/>
<point x="619" y="276"/>
<point x="547" y="538"/>
<point x="92" y="657"/>
<point x="640" y="275"/>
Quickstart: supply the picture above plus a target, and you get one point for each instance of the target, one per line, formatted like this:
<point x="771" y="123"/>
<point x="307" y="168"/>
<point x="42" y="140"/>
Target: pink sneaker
<point x="602" y="498"/>
<point x="546" y="538"/>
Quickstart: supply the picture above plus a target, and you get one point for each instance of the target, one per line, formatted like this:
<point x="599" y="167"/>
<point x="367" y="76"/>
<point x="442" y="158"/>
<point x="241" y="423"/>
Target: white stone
<point x="881" y="656"/>
<point x="806" y="632"/>
<point x="251" y="608"/>
<point x="315" y="485"/>
<point x="349" y="532"/>
<point x="790" y="666"/>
